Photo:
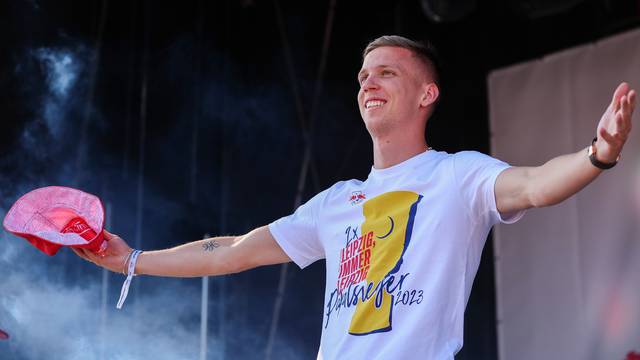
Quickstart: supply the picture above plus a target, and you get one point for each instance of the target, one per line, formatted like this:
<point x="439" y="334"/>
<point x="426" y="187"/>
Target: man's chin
<point x="375" y="124"/>
<point x="372" y="118"/>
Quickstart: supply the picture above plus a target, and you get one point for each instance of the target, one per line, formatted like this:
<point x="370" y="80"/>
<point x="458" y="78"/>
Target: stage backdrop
<point x="568" y="276"/>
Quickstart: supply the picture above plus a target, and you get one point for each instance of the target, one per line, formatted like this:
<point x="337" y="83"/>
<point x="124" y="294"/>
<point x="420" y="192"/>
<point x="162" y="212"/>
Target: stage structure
<point x="307" y="125"/>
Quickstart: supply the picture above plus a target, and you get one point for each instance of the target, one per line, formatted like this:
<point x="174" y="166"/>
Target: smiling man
<point x="402" y="247"/>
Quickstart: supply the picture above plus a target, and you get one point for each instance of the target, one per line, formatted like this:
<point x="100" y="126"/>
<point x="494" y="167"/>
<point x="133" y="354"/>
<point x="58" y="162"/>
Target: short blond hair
<point x="424" y="51"/>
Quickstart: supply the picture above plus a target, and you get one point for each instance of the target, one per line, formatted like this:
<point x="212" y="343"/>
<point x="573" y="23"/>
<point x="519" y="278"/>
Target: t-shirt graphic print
<point x="377" y="255"/>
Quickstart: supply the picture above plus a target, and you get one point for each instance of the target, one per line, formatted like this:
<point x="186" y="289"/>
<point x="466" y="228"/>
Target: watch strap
<point x="597" y="163"/>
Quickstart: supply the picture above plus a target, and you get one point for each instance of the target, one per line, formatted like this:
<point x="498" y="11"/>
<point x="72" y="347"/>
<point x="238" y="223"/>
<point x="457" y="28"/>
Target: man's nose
<point x="370" y="83"/>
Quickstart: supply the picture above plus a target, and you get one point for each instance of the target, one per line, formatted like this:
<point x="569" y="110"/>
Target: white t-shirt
<point x="402" y="249"/>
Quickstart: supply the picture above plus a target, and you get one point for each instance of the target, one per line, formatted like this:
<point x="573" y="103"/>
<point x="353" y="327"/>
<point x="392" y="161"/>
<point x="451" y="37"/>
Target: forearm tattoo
<point x="210" y="245"/>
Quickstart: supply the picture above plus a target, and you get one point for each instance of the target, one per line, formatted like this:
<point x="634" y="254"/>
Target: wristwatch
<point x="596" y="162"/>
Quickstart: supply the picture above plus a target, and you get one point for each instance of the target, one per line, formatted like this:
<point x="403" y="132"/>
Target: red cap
<point x="55" y="216"/>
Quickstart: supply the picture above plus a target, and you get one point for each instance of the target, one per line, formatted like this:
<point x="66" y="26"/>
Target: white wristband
<point x="130" y="274"/>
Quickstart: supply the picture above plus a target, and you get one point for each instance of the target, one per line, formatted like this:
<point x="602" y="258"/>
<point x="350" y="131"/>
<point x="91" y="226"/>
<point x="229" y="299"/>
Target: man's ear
<point x="430" y="94"/>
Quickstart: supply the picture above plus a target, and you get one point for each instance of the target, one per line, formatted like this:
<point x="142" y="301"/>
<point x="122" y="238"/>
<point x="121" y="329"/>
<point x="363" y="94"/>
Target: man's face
<point x="391" y="88"/>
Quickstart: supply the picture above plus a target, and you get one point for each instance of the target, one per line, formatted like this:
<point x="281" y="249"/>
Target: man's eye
<point x="387" y="72"/>
<point x="362" y="79"/>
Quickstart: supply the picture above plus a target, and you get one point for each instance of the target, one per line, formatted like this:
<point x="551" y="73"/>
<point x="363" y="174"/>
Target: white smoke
<point x="50" y="320"/>
<point x="52" y="316"/>
<point x="62" y="68"/>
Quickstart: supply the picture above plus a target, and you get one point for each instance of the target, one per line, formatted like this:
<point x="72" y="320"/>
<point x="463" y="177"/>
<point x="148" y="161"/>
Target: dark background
<point x="215" y="144"/>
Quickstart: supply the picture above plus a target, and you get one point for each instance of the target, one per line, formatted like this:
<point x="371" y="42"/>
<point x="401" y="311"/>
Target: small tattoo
<point x="210" y="246"/>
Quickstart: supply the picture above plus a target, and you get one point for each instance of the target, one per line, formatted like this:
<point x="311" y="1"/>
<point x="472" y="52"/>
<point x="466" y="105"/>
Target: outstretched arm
<point x="520" y="188"/>
<point x="213" y="256"/>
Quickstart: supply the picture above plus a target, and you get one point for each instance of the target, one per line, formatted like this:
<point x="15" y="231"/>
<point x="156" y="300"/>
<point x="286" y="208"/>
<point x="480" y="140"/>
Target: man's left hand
<point x="615" y="124"/>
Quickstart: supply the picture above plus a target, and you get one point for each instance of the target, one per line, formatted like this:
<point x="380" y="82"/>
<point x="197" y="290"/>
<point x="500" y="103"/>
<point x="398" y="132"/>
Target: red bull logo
<point x="357" y="197"/>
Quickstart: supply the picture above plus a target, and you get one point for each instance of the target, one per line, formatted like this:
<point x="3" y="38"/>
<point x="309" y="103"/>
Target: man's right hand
<point x="113" y="257"/>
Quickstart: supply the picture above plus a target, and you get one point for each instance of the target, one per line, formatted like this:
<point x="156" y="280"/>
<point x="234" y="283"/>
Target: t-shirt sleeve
<point x="297" y="234"/>
<point x="476" y="174"/>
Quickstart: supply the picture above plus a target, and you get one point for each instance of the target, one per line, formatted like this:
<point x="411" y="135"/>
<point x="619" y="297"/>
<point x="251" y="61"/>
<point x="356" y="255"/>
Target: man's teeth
<point x="374" y="103"/>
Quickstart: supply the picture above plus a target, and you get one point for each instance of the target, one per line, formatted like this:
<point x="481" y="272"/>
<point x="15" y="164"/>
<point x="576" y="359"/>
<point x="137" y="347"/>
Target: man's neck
<point x="391" y="151"/>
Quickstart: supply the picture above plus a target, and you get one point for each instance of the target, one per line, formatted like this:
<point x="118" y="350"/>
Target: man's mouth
<point x="374" y="103"/>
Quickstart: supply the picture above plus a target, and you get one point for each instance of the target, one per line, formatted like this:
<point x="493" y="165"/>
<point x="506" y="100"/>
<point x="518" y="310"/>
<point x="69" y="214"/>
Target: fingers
<point x="623" y="115"/>
<point x="615" y="125"/>
<point x="90" y="255"/>
<point x="108" y="235"/>
<point x="77" y="253"/>
<point x="632" y="100"/>
<point x="623" y="106"/>
<point x="606" y="136"/>
<point x="81" y="253"/>
<point x="620" y="91"/>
